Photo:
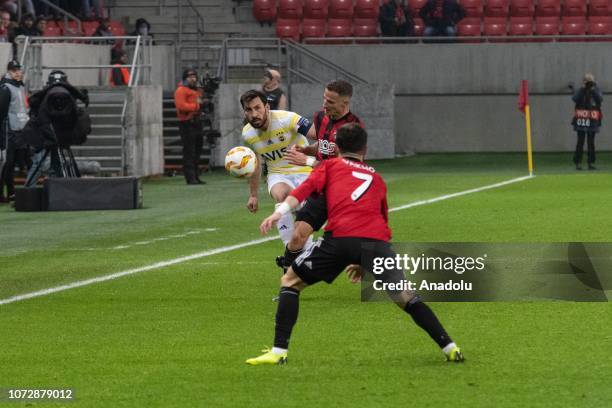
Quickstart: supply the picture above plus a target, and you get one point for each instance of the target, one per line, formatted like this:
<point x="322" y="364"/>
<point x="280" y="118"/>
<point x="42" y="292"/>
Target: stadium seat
<point x="290" y="9"/>
<point x="341" y="9"/>
<point x="573" y="25"/>
<point x="288" y="29"/>
<point x="574" y="8"/>
<point x="316" y="9"/>
<point x="600" y="25"/>
<point x="365" y="27"/>
<point x="600" y="8"/>
<point x="547" y="25"/>
<point x="548" y="8"/>
<point x="495" y="26"/>
<point x="497" y="8"/>
<point x="264" y="11"/>
<point x="89" y="27"/>
<point x="419" y="26"/>
<point x="367" y="8"/>
<point x="520" y="26"/>
<point x="117" y="28"/>
<point x="469" y="27"/>
<point x="521" y="8"/>
<point x="52" y="29"/>
<point x="71" y="29"/>
<point x="339" y="27"/>
<point x="414" y="6"/>
<point x="313" y="28"/>
<point x="473" y="8"/>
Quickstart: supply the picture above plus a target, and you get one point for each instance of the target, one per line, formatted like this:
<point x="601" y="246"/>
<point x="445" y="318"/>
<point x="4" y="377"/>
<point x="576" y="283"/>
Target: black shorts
<point x="313" y="212"/>
<point x="329" y="256"/>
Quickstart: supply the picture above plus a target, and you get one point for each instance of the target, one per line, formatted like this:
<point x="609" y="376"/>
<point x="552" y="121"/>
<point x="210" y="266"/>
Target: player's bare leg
<point x="286" y="316"/>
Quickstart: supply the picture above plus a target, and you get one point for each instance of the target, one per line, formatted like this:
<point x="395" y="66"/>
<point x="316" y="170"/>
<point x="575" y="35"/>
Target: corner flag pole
<point x="524" y="107"/>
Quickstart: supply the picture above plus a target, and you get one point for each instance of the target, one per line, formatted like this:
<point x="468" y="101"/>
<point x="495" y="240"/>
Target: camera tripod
<point x="62" y="164"/>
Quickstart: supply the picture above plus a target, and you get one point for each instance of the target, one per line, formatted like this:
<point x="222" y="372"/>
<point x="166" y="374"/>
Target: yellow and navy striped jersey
<point x="285" y="129"/>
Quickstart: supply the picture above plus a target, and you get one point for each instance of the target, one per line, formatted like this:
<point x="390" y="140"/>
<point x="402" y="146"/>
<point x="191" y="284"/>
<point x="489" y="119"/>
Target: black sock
<point x="290" y="255"/>
<point x="426" y="319"/>
<point x="286" y="316"/>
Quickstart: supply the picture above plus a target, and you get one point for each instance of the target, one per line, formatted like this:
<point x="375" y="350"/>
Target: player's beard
<point x="259" y="124"/>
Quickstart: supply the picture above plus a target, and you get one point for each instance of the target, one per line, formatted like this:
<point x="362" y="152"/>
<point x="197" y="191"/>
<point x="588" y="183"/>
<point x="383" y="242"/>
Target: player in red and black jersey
<point x="336" y="113"/>
<point x="358" y="218"/>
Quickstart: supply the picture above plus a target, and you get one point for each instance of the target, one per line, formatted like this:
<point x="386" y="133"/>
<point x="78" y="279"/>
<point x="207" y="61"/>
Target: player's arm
<point x="253" y="202"/>
<point x="282" y="102"/>
<point x="302" y="156"/>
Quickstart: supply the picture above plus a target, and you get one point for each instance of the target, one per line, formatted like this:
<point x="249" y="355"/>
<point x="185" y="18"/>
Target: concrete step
<point x="106" y="118"/>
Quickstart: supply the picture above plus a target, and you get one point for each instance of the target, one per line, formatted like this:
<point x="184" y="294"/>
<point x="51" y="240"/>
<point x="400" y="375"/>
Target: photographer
<point x="57" y="123"/>
<point x="188" y="100"/>
<point x="587" y="119"/>
<point x="13" y="118"/>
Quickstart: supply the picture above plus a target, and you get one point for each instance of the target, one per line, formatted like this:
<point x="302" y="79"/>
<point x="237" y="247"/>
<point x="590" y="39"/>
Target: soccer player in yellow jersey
<point x="270" y="133"/>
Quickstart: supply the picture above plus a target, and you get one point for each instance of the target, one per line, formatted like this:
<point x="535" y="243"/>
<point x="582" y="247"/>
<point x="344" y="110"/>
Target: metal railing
<point x="451" y="40"/>
<point x="270" y="44"/>
<point x="65" y="14"/>
<point x="140" y="67"/>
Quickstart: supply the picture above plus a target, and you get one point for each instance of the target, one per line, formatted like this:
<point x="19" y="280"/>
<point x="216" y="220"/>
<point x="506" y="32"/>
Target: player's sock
<point x="426" y="319"/>
<point x="279" y="351"/>
<point x="285" y="227"/>
<point x="286" y="316"/>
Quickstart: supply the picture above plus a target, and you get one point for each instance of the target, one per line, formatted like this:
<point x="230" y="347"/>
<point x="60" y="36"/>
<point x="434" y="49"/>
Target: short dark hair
<point x="351" y="138"/>
<point x="340" y="87"/>
<point x="248" y="96"/>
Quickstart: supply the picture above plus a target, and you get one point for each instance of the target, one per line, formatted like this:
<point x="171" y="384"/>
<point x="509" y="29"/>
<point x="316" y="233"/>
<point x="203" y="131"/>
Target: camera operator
<point x="587" y="119"/>
<point x="188" y="100"/>
<point x="13" y="118"/>
<point x="57" y="123"/>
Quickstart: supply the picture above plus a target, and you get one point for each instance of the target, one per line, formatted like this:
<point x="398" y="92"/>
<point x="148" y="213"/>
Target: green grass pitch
<point x="178" y="336"/>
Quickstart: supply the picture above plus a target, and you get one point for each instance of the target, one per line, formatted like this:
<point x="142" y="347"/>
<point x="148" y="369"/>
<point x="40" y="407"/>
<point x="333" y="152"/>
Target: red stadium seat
<point x="365" y="27"/>
<point x="600" y="8"/>
<point x="469" y="27"/>
<point x="548" y="8"/>
<point x="600" y="25"/>
<point x="316" y="9"/>
<point x="497" y="8"/>
<point x="89" y="27"/>
<point x="313" y="28"/>
<point x="341" y="9"/>
<point x="367" y="8"/>
<point x="53" y="30"/>
<point x="288" y="29"/>
<point x="495" y="26"/>
<point x="573" y="25"/>
<point x="71" y="29"/>
<point x="290" y="9"/>
<point x="521" y="8"/>
<point x="574" y="8"/>
<point x="419" y="26"/>
<point x="264" y="11"/>
<point x="339" y="27"/>
<point x="473" y="8"/>
<point x="414" y="6"/>
<point x="117" y="28"/>
<point x="520" y="26"/>
<point x="546" y="25"/>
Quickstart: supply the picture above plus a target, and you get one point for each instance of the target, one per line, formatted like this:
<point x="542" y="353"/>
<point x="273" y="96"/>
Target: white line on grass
<point x="175" y="261"/>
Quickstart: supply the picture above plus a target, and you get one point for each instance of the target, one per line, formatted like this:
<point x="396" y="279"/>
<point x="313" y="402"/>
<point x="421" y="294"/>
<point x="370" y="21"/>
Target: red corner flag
<point x="523" y="99"/>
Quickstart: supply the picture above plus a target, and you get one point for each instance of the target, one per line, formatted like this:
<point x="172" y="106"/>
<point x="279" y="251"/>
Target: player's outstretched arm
<point x="289" y="204"/>
<point x="253" y="202"/>
<point x="302" y="156"/>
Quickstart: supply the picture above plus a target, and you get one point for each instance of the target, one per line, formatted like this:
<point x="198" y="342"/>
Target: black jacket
<point x="452" y="13"/>
<point x="587" y="99"/>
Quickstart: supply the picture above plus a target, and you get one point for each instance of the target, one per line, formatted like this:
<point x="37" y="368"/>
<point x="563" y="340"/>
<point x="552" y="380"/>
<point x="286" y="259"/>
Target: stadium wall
<point x="463" y="97"/>
<point x="144" y="144"/>
<point x="306" y="99"/>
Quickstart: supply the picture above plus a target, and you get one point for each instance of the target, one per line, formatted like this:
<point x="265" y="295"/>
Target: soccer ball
<point x="240" y="162"/>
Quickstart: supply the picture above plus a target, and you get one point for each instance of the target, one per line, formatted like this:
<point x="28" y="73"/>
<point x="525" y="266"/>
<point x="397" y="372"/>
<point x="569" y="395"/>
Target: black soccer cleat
<point x="280" y="262"/>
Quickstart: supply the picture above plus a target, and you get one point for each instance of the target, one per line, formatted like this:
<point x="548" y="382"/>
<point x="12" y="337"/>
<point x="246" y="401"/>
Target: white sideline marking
<point x="163" y="264"/>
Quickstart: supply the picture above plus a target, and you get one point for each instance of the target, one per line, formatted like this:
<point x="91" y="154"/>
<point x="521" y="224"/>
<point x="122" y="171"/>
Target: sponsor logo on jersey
<point x="327" y="147"/>
<point x="275" y="154"/>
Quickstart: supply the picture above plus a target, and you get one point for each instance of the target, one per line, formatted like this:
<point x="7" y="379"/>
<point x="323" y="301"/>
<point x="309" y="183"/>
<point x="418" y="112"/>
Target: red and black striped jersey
<point x="326" y="132"/>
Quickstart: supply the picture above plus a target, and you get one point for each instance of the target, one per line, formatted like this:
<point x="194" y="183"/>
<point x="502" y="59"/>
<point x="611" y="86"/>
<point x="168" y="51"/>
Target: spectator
<point x="271" y="87"/>
<point x="88" y="5"/>
<point x="119" y="76"/>
<point x="41" y="25"/>
<point x="188" y="100"/>
<point x="440" y="17"/>
<point x="27" y="27"/>
<point x="10" y="6"/>
<point x="28" y="5"/>
<point x="395" y="20"/>
<point x="5" y="23"/>
<point x="142" y="27"/>
<point x="587" y="119"/>
<point x="104" y="29"/>
<point x="13" y="117"/>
